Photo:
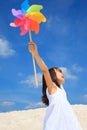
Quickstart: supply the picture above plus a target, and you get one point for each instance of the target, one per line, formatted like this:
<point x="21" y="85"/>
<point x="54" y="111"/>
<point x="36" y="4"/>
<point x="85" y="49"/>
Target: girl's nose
<point x="63" y="75"/>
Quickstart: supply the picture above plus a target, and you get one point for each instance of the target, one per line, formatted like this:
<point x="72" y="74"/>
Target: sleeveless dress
<point x="59" y="113"/>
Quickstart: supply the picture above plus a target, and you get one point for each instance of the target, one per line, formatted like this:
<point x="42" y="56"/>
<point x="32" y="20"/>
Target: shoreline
<point x="21" y="110"/>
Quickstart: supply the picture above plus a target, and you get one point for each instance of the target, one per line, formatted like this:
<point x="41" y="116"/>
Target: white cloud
<point x="65" y="4"/>
<point x="68" y="74"/>
<point x="58" y="26"/>
<point x="7" y="103"/>
<point x="51" y="20"/>
<point x="35" y="105"/>
<point x="20" y="74"/>
<point x="85" y="96"/>
<point x="77" y="68"/>
<point x="5" y="49"/>
<point x="30" y="80"/>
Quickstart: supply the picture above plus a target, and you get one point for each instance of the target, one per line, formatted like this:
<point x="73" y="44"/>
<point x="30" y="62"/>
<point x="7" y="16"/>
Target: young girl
<point x="59" y="113"/>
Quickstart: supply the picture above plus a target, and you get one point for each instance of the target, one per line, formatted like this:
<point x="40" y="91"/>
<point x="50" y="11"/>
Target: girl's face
<point x="60" y="76"/>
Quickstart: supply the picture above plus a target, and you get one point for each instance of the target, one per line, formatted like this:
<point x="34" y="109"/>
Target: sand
<point x="33" y="119"/>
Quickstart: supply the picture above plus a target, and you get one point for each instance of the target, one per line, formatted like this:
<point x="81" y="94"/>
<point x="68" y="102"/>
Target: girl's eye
<point x="60" y="70"/>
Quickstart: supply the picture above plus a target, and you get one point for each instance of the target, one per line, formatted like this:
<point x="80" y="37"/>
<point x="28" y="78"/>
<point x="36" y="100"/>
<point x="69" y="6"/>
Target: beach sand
<point x="33" y="119"/>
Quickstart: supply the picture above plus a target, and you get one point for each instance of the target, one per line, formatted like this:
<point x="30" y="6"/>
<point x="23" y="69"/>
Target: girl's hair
<point x="44" y="86"/>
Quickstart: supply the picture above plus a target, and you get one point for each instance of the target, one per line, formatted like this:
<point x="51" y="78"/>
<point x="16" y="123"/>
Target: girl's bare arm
<point x="42" y="65"/>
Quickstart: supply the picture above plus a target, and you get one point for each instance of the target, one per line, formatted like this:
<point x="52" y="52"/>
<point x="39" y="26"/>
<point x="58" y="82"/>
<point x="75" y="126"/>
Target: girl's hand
<point x="32" y="48"/>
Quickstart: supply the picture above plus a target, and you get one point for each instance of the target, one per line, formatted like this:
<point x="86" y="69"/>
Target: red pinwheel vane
<point x="28" y="18"/>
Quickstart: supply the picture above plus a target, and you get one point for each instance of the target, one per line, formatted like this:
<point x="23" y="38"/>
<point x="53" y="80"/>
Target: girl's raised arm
<point x="33" y="49"/>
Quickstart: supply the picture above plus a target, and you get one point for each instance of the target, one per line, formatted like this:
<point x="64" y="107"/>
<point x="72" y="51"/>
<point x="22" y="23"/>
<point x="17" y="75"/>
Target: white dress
<point x="59" y="113"/>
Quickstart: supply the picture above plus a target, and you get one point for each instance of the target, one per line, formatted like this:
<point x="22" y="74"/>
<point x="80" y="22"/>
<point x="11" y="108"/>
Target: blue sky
<point x="62" y="42"/>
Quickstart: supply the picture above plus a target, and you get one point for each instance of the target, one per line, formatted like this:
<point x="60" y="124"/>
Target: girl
<point x="59" y="113"/>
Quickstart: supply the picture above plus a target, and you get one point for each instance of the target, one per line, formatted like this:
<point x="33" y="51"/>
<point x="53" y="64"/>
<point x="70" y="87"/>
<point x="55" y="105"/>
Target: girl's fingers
<point x="31" y="47"/>
<point x="31" y="42"/>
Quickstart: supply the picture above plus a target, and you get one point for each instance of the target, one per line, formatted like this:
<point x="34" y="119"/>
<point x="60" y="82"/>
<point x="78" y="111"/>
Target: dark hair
<point x="44" y="86"/>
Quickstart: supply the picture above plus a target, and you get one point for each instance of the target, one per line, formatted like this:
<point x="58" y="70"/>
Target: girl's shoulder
<point x="53" y="92"/>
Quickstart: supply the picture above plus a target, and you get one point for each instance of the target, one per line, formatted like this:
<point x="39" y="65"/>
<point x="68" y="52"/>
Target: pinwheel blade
<point x="34" y="8"/>
<point x="17" y="13"/>
<point x="25" y="6"/>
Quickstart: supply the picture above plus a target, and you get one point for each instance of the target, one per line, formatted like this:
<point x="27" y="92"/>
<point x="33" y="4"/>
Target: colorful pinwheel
<point x="28" y="18"/>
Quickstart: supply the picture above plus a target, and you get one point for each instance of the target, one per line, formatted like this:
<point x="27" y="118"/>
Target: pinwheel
<point x="28" y="18"/>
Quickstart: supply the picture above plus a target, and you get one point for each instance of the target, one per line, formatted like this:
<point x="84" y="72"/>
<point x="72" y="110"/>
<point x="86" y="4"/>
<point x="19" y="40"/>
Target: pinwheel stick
<point x="35" y="73"/>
